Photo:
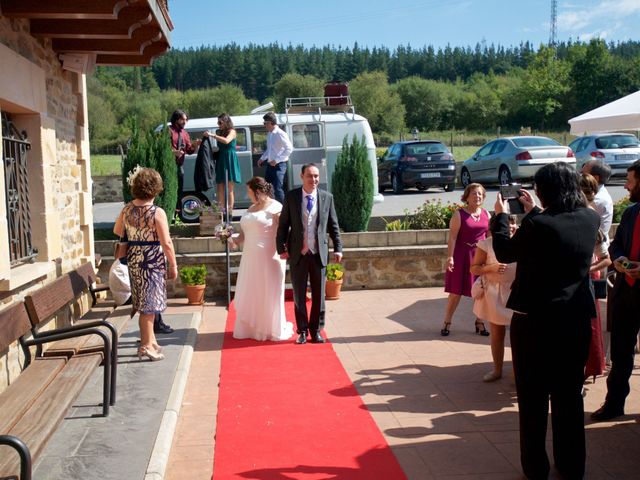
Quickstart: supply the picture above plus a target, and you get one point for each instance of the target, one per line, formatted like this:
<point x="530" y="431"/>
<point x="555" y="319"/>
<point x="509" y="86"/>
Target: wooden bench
<point x="64" y="292"/>
<point x="33" y="406"/>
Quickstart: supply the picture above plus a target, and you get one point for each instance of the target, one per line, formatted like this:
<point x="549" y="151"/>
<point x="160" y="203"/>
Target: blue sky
<point x="401" y="22"/>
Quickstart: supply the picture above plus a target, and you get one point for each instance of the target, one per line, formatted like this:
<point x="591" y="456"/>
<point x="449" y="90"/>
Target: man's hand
<point x="284" y="256"/>
<point x="273" y="163"/>
<point x="260" y="162"/>
<point x="337" y="257"/>
<point x="178" y="153"/>
<point x="617" y="264"/>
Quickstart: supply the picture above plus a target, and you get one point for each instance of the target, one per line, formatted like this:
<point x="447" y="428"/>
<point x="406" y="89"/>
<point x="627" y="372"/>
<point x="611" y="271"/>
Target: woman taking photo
<point x="467" y="227"/>
<point x="149" y="248"/>
<point x="227" y="160"/>
<point x="553" y="305"/>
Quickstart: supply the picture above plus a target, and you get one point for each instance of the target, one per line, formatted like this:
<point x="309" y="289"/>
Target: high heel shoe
<point x="445" y="329"/>
<point x="481" y="331"/>
<point x="492" y="376"/>
<point x="150" y="354"/>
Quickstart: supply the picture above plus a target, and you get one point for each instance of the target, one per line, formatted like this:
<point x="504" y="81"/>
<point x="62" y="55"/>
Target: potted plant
<point x="210" y="218"/>
<point x="335" y="275"/>
<point x="193" y="277"/>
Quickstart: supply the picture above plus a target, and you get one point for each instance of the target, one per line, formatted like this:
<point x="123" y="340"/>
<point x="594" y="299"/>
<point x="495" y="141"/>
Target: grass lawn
<point x="105" y="165"/>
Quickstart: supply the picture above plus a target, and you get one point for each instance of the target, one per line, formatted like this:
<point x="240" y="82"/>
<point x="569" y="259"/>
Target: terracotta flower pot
<point x="195" y="294"/>
<point x="332" y="289"/>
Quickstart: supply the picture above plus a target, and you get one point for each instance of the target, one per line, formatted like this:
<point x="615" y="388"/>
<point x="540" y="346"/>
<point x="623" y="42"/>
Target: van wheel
<point x="504" y="176"/>
<point x="396" y="184"/>
<point x="449" y="187"/>
<point x="465" y="177"/>
<point x="190" y="207"/>
<point x="422" y="188"/>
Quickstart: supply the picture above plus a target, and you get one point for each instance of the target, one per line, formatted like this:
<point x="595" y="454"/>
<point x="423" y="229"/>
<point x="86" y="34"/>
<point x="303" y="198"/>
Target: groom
<point x="307" y="216"/>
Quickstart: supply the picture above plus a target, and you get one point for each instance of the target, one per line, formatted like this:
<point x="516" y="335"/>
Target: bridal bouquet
<point x="223" y="232"/>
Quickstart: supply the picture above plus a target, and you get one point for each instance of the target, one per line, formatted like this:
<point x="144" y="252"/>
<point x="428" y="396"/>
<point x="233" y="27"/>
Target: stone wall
<point x="107" y="188"/>
<point x="48" y="103"/>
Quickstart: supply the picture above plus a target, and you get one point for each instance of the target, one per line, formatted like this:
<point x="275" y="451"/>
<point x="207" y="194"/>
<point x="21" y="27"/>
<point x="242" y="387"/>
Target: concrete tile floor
<point x="425" y="392"/>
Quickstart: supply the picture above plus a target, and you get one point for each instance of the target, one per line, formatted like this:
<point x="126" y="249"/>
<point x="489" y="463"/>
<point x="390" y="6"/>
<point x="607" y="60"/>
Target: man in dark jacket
<point x="624" y="302"/>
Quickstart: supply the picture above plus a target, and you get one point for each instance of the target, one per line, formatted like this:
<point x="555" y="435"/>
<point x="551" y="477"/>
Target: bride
<point x="259" y="298"/>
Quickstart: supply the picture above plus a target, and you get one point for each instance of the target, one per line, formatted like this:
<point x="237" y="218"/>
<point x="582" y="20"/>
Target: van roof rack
<point x="319" y="105"/>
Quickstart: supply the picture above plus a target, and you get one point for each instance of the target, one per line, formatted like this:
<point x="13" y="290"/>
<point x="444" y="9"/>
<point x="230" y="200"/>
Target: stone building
<point x="46" y="50"/>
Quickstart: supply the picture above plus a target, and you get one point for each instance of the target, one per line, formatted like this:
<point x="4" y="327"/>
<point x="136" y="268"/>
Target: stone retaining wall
<point x="107" y="189"/>
<point x="373" y="260"/>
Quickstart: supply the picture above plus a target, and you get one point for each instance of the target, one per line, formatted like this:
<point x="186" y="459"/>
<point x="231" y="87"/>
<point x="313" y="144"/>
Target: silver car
<point x="507" y="159"/>
<point x="618" y="150"/>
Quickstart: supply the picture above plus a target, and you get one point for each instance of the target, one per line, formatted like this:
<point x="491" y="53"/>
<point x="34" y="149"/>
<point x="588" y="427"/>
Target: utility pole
<point x="554" y="23"/>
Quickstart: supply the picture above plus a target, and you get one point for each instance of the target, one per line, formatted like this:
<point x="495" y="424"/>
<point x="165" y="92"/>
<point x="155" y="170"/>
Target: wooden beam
<point x="152" y="51"/>
<point x="140" y="39"/>
<point x="130" y="19"/>
<point x="65" y="9"/>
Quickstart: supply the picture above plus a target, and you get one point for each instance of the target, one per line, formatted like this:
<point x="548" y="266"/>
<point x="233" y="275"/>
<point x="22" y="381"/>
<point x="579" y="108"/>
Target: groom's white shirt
<point x="309" y="221"/>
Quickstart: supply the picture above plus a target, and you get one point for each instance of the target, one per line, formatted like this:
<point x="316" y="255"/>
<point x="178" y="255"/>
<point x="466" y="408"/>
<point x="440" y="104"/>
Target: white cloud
<point x="575" y="18"/>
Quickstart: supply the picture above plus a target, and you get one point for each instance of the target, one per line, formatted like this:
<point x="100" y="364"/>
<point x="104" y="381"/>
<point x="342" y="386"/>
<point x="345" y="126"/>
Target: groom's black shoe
<point x="316" y="338"/>
<point x="302" y="338"/>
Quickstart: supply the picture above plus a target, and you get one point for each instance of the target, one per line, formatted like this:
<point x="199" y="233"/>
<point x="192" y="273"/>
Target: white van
<point x="316" y="130"/>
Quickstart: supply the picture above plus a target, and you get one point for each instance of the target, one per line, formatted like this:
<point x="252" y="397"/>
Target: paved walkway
<point x="424" y="391"/>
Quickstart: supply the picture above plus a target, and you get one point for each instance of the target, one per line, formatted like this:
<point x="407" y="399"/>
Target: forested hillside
<point x="452" y="88"/>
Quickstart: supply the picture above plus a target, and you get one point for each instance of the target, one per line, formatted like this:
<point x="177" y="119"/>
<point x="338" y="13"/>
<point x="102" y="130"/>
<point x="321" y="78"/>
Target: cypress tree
<point x="352" y="186"/>
<point x="152" y="151"/>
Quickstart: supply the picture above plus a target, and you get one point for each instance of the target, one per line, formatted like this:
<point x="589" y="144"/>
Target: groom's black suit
<point x="312" y="267"/>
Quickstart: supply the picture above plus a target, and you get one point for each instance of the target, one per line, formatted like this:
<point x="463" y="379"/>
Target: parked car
<point x="508" y="159"/>
<point x="421" y="164"/>
<point x="618" y="150"/>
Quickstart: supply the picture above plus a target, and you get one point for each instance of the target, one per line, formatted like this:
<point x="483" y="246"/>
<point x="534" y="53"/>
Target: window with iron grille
<point x="14" y="155"/>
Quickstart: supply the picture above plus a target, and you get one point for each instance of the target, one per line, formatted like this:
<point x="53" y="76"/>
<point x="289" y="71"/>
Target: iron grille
<point x="14" y="155"/>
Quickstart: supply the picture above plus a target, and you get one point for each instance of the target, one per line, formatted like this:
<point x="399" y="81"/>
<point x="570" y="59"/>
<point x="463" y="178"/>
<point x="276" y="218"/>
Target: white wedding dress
<point x="259" y="298"/>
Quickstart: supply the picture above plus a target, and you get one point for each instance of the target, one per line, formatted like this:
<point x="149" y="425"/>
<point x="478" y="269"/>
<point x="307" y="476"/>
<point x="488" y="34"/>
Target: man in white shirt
<point x="276" y="155"/>
<point x="602" y="202"/>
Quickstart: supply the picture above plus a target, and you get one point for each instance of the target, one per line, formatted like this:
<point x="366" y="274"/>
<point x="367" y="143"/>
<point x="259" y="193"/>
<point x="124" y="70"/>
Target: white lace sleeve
<point x="275" y="207"/>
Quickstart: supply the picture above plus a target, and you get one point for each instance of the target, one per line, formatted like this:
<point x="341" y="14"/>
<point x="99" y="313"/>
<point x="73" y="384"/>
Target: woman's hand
<point x="527" y="201"/>
<point x="501" y="205"/>
<point x="172" y="272"/>
<point x="498" y="268"/>
<point x="232" y="244"/>
<point x="450" y="264"/>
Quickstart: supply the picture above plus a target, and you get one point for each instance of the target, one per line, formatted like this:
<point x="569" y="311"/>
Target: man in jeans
<point x="276" y="155"/>
<point x="181" y="146"/>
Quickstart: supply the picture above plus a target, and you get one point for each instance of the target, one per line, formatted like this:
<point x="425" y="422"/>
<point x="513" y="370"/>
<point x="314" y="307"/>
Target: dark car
<point x="421" y="164"/>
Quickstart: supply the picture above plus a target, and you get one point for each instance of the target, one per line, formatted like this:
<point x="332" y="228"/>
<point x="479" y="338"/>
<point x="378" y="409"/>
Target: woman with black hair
<point x="553" y="304"/>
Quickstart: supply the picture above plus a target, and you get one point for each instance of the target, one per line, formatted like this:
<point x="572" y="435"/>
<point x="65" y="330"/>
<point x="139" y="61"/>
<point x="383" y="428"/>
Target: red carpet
<point x="290" y="411"/>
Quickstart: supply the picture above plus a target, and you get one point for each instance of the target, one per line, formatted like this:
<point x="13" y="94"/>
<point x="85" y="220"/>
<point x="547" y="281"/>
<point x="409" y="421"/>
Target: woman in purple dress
<point x="149" y="249"/>
<point x="468" y="226"/>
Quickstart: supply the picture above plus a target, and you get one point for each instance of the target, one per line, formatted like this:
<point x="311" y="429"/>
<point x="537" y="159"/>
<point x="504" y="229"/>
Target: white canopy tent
<point x="621" y="114"/>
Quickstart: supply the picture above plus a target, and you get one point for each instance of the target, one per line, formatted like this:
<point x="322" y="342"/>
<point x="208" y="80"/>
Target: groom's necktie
<point x="309" y="204"/>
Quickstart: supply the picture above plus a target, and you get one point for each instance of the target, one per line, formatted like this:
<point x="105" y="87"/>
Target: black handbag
<point x="600" y="288"/>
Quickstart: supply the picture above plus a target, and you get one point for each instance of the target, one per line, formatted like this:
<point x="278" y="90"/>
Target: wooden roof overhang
<point x="113" y="32"/>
